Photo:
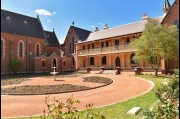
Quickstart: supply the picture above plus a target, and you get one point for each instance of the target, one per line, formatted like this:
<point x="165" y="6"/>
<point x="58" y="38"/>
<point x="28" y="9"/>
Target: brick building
<point x="68" y="48"/>
<point x="171" y="17"/>
<point x="111" y="47"/>
<point x="23" y="38"/>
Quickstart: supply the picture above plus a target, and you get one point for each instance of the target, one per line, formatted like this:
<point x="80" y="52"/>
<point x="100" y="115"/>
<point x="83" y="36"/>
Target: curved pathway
<point x="124" y="87"/>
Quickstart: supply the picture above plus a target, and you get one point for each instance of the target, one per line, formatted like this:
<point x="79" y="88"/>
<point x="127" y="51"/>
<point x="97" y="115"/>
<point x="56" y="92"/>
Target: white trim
<point x="39" y="49"/>
<point x="3" y="41"/>
<point x="43" y="59"/>
<point x="23" y="49"/>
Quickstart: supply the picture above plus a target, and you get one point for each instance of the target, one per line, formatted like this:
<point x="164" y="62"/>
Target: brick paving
<point x="124" y="87"/>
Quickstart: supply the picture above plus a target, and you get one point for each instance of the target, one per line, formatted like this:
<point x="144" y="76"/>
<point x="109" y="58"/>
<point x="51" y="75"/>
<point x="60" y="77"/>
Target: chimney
<point x="105" y="26"/>
<point x="145" y="17"/>
<point x="96" y="29"/>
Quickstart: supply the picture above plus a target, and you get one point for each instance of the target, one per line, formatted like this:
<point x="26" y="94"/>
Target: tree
<point x="167" y="106"/>
<point x="157" y="42"/>
<point x="15" y="65"/>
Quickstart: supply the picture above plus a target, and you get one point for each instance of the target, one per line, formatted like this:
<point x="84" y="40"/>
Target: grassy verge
<point x="118" y="111"/>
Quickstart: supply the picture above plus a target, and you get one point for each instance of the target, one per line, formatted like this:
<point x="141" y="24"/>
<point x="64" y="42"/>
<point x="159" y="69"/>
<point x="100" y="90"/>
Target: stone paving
<point x="124" y="87"/>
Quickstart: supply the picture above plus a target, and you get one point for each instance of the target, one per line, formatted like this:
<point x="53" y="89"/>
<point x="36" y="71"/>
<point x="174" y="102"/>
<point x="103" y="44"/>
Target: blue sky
<point x="85" y="13"/>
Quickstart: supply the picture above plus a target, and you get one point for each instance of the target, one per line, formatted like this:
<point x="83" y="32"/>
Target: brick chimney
<point x="145" y="17"/>
<point x="105" y="26"/>
<point x="96" y="29"/>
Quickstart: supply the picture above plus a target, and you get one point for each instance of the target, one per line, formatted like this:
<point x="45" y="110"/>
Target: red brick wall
<point x="31" y="42"/>
<point x="66" y="48"/>
<point x="169" y="19"/>
<point x="50" y="50"/>
<point x="173" y="14"/>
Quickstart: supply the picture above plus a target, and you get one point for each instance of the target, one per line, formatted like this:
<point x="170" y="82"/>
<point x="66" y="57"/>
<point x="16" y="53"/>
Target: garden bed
<point x="40" y="90"/>
<point x="97" y="79"/>
<point x="13" y="81"/>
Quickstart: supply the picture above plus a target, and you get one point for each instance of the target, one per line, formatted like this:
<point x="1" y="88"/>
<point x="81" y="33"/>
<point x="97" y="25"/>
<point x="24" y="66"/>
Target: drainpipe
<point x="26" y="54"/>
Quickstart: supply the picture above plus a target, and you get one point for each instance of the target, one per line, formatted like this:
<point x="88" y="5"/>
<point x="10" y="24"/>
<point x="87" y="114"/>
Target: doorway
<point x="117" y="62"/>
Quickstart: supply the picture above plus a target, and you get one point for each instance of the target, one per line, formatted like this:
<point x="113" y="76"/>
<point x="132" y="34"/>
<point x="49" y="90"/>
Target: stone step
<point x="134" y="110"/>
<point x="109" y="71"/>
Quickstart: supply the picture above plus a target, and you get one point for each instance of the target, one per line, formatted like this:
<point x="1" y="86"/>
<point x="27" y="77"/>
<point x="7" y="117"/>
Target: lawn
<point x="118" y="111"/>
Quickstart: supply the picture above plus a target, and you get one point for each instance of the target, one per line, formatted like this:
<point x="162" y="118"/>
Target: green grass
<point x="118" y="111"/>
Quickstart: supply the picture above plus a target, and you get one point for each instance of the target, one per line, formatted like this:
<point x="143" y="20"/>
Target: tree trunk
<point x="156" y="72"/>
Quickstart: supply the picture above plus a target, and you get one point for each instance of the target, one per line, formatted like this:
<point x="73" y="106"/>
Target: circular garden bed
<point x="97" y="79"/>
<point x="54" y="89"/>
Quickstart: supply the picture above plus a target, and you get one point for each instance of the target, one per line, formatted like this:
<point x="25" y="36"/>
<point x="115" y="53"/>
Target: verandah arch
<point x="117" y="61"/>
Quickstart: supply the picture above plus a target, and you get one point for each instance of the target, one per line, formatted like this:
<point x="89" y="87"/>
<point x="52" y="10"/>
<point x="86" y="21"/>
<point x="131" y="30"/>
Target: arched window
<point x="107" y="44"/>
<point x="132" y="59"/>
<point x="1" y="49"/>
<point x="20" y="49"/>
<point x="43" y="63"/>
<point x="91" y="60"/>
<point x="176" y="23"/>
<point x="54" y="62"/>
<point x="127" y="40"/>
<point x="73" y="61"/>
<point x="93" y="46"/>
<point x="73" y="44"/>
<point x="70" y="47"/>
<point x="104" y="60"/>
<point x="118" y="63"/>
<point x="64" y="62"/>
<point x="37" y="50"/>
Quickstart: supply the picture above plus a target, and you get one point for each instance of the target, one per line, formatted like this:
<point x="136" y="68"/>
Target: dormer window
<point x="8" y="18"/>
<point x="25" y="22"/>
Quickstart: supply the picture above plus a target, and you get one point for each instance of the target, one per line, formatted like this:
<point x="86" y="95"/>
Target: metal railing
<point x="116" y="48"/>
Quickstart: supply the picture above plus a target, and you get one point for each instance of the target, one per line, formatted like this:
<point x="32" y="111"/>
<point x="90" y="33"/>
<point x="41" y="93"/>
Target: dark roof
<point x="52" y="39"/>
<point x="81" y="33"/>
<point x="15" y="23"/>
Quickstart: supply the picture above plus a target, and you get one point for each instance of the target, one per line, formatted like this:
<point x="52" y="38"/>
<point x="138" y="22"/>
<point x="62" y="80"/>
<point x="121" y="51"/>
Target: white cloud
<point x="43" y="12"/>
<point x="54" y="12"/>
<point x="49" y="20"/>
<point x="93" y="26"/>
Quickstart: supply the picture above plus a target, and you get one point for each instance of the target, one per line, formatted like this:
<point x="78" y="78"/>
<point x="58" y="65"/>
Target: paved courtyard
<point x="124" y="87"/>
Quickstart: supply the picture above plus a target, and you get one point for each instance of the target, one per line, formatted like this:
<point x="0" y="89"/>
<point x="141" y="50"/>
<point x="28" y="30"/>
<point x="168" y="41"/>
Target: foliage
<point x="156" y="43"/>
<point x="15" y="65"/>
<point x="168" y="103"/>
<point x="91" y="115"/>
<point x="60" y="110"/>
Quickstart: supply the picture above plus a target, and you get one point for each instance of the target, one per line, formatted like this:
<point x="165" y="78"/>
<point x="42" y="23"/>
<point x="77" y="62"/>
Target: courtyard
<point x="123" y="87"/>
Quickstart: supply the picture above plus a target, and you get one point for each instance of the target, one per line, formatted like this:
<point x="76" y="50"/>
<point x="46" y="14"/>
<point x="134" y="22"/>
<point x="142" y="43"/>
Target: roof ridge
<point x="126" y="24"/>
<point x="81" y="28"/>
<point x="18" y="14"/>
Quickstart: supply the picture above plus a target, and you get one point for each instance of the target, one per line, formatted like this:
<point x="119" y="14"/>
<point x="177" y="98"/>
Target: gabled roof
<point x="126" y="29"/>
<point x="167" y="14"/>
<point x="52" y="39"/>
<point x="15" y="23"/>
<point x="81" y="33"/>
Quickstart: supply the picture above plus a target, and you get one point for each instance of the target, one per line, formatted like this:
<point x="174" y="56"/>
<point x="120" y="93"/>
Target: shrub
<point x="15" y="65"/>
<point x="55" y="110"/>
<point x="168" y="101"/>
